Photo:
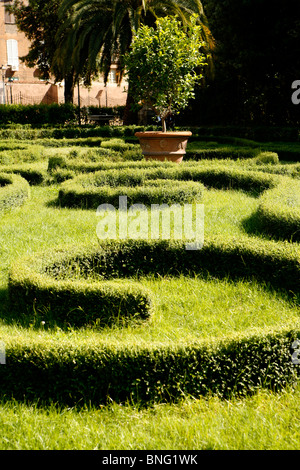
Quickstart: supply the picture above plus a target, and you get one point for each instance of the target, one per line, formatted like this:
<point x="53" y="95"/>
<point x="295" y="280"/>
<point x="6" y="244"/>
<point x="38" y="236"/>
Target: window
<point x="9" y="18"/>
<point x="12" y="54"/>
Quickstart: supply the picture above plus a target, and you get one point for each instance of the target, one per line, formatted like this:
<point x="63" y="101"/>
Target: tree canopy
<point x="256" y="58"/>
<point x="163" y="65"/>
<point x="101" y="31"/>
<point x="39" y="21"/>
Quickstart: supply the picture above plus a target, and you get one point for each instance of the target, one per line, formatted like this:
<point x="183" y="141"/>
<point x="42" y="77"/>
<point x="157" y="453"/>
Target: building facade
<point x="22" y="85"/>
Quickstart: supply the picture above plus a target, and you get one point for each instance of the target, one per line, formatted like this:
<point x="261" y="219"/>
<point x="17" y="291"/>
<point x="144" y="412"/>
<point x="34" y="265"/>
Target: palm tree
<point x="101" y="31"/>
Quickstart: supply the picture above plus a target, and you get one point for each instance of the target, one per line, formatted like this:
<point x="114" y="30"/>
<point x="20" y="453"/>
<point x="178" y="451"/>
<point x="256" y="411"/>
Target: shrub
<point x="61" y="168"/>
<point x="34" y="174"/>
<point x="117" y="145"/>
<point x="164" y="64"/>
<point x="14" y="191"/>
<point x="37" y="114"/>
<point x="94" y="372"/>
<point x="211" y="175"/>
<point x="55" y="162"/>
<point x="52" y="283"/>
<point x="84" y="165"/>
<point x="279" y="211"/>
<point x="267" y="158"/>
<point x="221" y="153"/>
<point x="54" y="279"/>
<point x="90" y="196"/>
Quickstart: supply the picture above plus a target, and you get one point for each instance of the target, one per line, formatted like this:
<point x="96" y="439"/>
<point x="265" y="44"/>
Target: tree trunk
<point x="69" y="88"/>
<point x="130" y="116"/>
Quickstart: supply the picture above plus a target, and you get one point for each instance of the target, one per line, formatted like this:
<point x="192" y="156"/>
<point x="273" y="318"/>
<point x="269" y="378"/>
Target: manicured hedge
<point x="221" y="153"/>
<point x="88" y="191"/>
<point x="33" y="173"/>
<point x="267" y="158"/>
<point x="37" y="114"/>
<point x="61" y="168"/>
<point x="81" y="134"/>
<point x="217" y="176"/>
<point x="14" y="191"/>
<point x="54" y="279"/>
<point x="74" y="194"/>
<point x="38" y="282"/>
<point x="279" y="210"/>
<point x="94" y="372"/>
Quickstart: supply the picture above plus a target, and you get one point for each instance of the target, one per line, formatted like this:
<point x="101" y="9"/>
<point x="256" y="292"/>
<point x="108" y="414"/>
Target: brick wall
<point x="23" y="84"/>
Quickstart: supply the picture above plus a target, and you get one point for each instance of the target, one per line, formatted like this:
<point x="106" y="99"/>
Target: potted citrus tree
<point x="163" y="66"/>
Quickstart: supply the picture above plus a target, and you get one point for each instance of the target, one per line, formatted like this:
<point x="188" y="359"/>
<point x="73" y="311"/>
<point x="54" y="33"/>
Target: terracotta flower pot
<point x="158" y="145"/>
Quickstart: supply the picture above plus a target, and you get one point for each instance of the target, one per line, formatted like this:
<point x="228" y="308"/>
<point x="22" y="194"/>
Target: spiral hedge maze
<point x="102" y="286"/>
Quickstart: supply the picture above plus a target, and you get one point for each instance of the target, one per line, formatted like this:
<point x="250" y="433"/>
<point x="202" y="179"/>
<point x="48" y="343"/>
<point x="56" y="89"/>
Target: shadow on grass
<point x="254" y="225"/>
<point x="7" y="315"/>
<point x="56" y="204"/>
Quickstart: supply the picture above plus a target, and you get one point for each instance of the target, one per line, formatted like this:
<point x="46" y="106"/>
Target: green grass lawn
<point x="186" y="309"/>
<point x="265" y="421"/>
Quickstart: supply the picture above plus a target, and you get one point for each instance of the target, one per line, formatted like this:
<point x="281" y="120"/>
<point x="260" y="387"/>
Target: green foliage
<point x="279" y="211"/>
<point x="61" y="271"/>
<point x="182" y="184"/>
<point x="267" y="158"/>
<point x="38" y="114"/>
<point x="212" y="175"/>
<point x="78" y="289"/>
<point x="162" y="65"/>
<point x="87" y="194"/>
<point x="117" y="144"/>
<point x="221" y="152"/>
<point x="51" y="284"/>
<point x="33" y="173"/>
<point x="14" y="191"/>
<point x="93" y="373"/>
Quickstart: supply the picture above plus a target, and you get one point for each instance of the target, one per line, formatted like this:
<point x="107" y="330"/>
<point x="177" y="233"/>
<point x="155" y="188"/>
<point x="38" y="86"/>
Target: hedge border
<point x="82" y="192"/>
<point x="74" y="302"/>
<point x="36" y="281"/>
<point x="276" y="215"/>
<point x="34" y="173"/>
<point x="152" y="192"/>
<point x="94" y="373"/>
<point x="14" y="192"/>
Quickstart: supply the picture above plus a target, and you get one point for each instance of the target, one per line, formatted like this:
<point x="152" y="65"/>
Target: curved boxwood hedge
<point x="94" y="372"/>
<point x="38" y="282"/>
<point x="279" y="210"/>
<point x="81" y="165"/>
<point x="157" y="191"/>
<point x="137" y="172"/>
<point x="14" y="191"/>
<point x="221" y="153"/>
<point x="33" y="173"/>
<point x="89" y="191"/>
<point x="64" y="282"/>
